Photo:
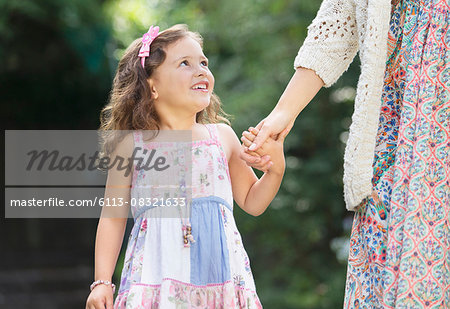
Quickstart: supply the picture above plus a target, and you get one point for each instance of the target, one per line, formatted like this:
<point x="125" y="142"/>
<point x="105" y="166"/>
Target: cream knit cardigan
<point x="340" y="29"/>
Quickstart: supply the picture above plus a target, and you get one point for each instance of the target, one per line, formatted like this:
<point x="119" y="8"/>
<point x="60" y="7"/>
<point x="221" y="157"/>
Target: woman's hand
<point x="271" y="152"/>
<point x="101" y="297"/>
<point x="277" y="122"/>
<point x="302" y="87"/>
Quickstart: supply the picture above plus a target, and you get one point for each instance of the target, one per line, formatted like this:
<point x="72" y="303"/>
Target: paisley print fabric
<point x="400" y="241"/>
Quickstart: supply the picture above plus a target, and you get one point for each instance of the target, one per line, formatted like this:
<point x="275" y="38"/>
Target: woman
<point x="397" y="162"/>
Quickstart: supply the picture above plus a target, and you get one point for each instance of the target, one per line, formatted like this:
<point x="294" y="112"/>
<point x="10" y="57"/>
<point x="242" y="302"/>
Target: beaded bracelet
<point x="107" y="282"/>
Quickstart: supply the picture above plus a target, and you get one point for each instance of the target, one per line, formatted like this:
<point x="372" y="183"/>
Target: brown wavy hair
<point x="131" y="106"/>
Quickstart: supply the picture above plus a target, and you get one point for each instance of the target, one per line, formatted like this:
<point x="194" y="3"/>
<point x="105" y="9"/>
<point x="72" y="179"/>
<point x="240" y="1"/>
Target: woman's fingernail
<point x="252" y="147"/>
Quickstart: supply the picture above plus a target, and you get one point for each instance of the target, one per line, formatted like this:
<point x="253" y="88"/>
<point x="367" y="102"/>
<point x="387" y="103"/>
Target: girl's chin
<point x="202" y="105"/>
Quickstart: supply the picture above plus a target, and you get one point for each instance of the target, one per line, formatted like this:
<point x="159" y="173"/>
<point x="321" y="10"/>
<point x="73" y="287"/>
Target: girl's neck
<point x="176" y="123"/>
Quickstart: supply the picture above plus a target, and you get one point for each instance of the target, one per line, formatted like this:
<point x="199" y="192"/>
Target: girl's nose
<point x="202" y="70"/>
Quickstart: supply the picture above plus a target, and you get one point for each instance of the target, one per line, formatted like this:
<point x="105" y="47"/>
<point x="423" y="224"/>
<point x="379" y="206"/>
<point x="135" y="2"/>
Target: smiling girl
<point x="163" y="83"/>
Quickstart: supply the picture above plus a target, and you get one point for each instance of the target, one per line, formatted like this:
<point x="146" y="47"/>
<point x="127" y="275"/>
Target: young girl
<point x="198" y="261"/>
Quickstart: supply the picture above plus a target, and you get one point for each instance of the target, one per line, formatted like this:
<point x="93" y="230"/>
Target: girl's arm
<point x="253" y="195"/>
<point x="111" y="227"/>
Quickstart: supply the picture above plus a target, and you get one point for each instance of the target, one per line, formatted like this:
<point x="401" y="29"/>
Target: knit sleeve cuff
<point x="327" y="67"/>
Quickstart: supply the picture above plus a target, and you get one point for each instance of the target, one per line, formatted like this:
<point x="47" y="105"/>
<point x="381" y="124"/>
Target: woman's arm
<point x="328" y="50"/>
<point x="302" y="87"/>
<point x="332" y="41"/>
<point x="253" y="195"/>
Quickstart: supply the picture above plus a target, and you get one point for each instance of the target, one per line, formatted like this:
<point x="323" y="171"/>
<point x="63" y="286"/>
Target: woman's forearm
<point x="302" y="88"/>
<point x="108" y="242"/>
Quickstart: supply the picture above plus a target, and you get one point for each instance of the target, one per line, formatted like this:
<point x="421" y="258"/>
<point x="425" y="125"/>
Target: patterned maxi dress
<point x="400" y="241"/>
<point x="214" y="272"/>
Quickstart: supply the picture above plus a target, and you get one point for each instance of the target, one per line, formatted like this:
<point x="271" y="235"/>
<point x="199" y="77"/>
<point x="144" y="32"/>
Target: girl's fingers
<point x="253" y="130"/>
<point x="255" y="154"/>
<point x="248" y="158"/>
<point x="264" y="160"/>
<point x="263" y="165"/>
<point x="109" y="302"/>
<point x="99" y="304"/>
<point x="249" y="136"/>
<point x="245" y="141"/>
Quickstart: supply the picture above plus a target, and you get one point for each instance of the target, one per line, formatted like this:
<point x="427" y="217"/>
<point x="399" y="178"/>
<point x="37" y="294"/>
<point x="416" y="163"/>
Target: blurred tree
<point x="53" y="70"/>
<point x="54" y="74"/>
<point x="57" y="59"/>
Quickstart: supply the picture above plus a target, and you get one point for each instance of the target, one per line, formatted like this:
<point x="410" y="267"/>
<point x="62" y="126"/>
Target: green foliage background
<point x="57" y="60"/>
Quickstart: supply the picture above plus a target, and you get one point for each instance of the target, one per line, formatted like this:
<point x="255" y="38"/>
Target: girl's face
<point x="183" y="82"/>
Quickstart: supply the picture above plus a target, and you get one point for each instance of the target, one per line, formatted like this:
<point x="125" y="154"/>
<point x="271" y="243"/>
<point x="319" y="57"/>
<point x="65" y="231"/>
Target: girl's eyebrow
<point x="190" y="57"/>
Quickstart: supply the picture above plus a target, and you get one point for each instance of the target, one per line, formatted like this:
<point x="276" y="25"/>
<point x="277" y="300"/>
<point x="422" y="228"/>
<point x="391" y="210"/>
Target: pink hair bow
<point x="147" y="39"/>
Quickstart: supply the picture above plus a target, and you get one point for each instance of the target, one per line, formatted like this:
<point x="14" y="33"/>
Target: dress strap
<point x="213" y="133"/>
<point x="137" y="138"/>
<point x="138" y="148"/>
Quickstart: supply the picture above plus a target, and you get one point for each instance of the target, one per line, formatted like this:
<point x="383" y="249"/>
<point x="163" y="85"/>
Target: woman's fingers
<point x="260" y="124"/>
<point x="263" y="134"/>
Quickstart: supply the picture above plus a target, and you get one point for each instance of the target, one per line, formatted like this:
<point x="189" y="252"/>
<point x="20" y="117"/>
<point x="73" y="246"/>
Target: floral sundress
<point x="213" y="271"/>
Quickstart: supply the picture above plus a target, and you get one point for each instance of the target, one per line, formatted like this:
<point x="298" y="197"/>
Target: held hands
<point x="269" y="157"/>
<point x="277" y="125"/>
<point x="277" y="122"/>
<point x="101" y="297"/>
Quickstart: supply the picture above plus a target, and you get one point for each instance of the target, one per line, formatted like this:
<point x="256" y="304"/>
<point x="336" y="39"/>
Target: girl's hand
<point x="260" y="163"/>
<point x="101" y="297"/>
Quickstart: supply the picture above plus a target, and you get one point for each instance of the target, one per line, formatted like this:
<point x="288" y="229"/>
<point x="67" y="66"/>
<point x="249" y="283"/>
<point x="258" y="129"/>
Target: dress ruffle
<point x="183" y="295"/>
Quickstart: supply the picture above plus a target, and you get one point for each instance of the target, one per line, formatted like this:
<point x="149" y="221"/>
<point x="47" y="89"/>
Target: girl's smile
<point x="201" y="86"/>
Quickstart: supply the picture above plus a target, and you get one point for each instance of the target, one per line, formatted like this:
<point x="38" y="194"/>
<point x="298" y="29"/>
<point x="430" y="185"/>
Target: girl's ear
<point x="153" y="90"/>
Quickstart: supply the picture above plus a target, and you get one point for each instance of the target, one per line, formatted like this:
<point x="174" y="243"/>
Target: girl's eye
<point x="185" y="62"/>
<point x="205" y="63"/>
